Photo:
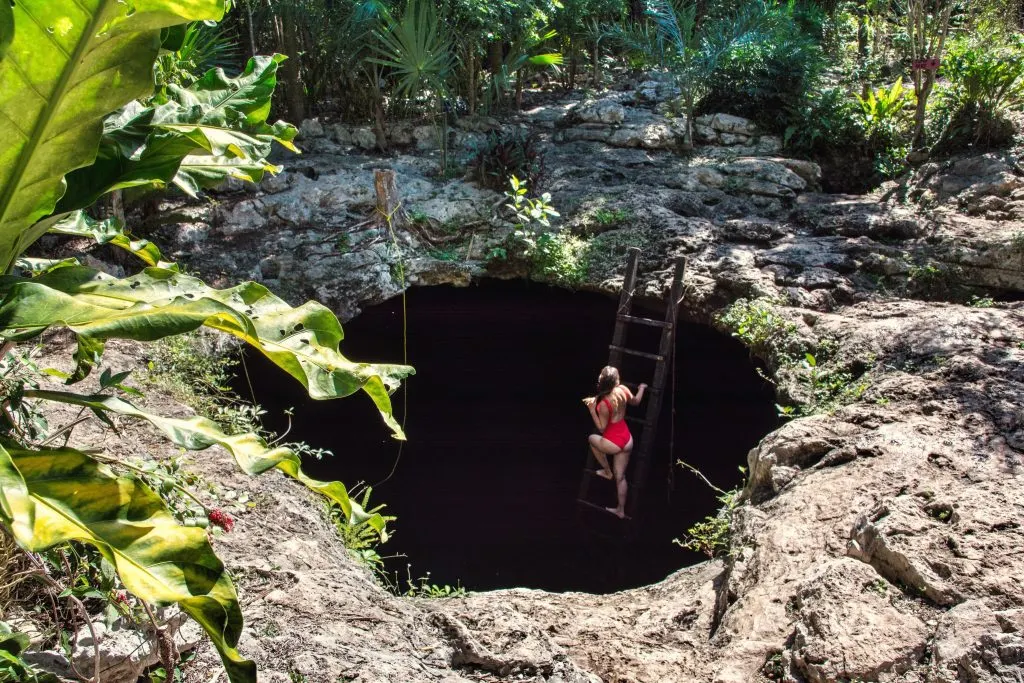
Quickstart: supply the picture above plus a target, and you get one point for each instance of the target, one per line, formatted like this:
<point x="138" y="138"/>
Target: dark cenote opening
<point x="485" y="490"/>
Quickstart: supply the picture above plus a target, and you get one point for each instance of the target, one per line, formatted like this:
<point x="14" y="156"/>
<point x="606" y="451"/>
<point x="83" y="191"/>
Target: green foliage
<point x="69" y="77"/>
<point x="193" y="137"/>
<point x="417" y="48"/>
<point x="610" y="217"/>
<point x="767" y="72"/>
<point x="824" y="390"/>
<point x="76" y="72"/>
<point x="984" y="81"/>
<point x="190" y="368"/>
<point x="192" y="50"/>
<point x="505" y="154"/>
<point x="422" y="588"/>
<point x="560" y="258"/>
<point x="363" y="528"/>
<point x="693" y="51"/>
<point x="932" y="280"/>
<point x="712" y="535"/>
<point x="527" y="212"/>
<point x="14" y="669"/>
<point x="758" y="325"/>
<point x="884" y="109"/>
<point x="981" y="301"/>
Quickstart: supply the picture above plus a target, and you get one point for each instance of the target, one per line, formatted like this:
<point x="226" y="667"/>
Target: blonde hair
<point x="607" y="383"/>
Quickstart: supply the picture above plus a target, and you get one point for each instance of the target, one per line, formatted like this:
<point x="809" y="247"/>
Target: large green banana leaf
<point x="157" y="303"/>
<point x="6" y="27"/>
<point x="68" y="66"/>
<point x="194" y="137"/>
<point x="195" y="433"/>
<point x="48" y="497"/>
<point x="110" y="231"/>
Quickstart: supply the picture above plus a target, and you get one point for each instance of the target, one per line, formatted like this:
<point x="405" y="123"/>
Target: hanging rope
<point x="672" y="419"/>
<point x="405" y="336"/>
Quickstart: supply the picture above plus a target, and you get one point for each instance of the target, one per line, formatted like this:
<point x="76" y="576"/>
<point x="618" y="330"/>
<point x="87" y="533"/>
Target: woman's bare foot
<point x="621" y="514"/>
<point x="606" y="474"/>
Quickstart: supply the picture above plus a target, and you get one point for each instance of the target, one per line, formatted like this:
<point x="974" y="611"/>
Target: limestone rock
<point x="364" y="138"/>
<point x="766" y="170"/>
<point x="607" y="111"/>
<point x="726" y="123"/>
<point x="847" y="630"/>
<point x="311" y="128"/>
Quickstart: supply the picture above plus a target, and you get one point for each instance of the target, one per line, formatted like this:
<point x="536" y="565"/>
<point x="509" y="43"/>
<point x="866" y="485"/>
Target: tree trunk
<point x="252" y="30"/>
<point x="389" y="205"/>
<point x="519" y="90"/>
<point x="572" y="68"/>
<point x="495" y="61"/>
<point x="862" y="45"/>
<point x="471" y="95"/>
<point x="637" y="10"/>
<point x="597" y="64"/>
<point x="293" y="83"/>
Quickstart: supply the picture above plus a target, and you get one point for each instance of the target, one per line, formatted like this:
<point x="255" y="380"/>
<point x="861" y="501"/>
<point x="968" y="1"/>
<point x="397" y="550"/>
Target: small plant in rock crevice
<point x="557" y="257"/>
<point x="422" y="588"/>
<point x="759" y="326"/>
<point x="712" y="536"/>
<point x="506" y="154"/>
<point x="363" y="533"/>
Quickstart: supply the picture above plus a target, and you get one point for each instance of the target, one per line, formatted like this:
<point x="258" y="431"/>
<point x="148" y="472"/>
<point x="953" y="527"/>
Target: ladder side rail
<point x="625" y="306"/>
<point x="641" y="467"/>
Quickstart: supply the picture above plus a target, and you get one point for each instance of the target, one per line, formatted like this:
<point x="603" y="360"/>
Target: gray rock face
<point x="878" y="539"/>
<point x="607" y="111"/>
<point x="865" y="637"/>
<point x="311" y="128"/>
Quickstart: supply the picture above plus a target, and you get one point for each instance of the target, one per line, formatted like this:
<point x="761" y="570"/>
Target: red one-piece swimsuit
<point x="616" y="432"/>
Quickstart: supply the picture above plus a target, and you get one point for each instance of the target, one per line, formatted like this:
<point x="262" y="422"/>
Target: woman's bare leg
<point x="601" y="456"/>
<point x="621" y="487"/>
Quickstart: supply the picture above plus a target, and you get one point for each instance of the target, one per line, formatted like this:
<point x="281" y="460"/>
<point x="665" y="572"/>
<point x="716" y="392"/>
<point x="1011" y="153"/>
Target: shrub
<point x="764" y="75"/>
<point x="560" y="258"/>
<point x="504" y="154"/>
<point x="825" y="121"/>
<point x="984" y="80"/>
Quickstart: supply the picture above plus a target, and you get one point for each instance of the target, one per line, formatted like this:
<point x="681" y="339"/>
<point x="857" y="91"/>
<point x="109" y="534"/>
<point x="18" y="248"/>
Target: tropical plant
<point x="418" y="51"/>
<point x="883" y="108"/>
<point x="766" y="72"/>
<point x="984" y="81"/>
<point x="529" y="214"/>
<point x="507" y="153"/>
<point x="76" y="131"/>
<point x="192" y="50"/>
<point x="692" y="51"/>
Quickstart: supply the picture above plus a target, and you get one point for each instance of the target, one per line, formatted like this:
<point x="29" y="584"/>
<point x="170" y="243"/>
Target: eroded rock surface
<point x="879" y="540"/>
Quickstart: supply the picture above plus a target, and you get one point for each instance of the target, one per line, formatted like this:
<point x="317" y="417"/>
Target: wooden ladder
<point x="643" y="438"/>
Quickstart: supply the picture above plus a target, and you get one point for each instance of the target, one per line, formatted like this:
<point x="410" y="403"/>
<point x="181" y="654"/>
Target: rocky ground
<point x="880" y="539"/>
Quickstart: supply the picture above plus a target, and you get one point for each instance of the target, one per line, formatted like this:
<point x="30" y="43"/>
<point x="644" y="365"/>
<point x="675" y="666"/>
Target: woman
<point x="608" y="410"/>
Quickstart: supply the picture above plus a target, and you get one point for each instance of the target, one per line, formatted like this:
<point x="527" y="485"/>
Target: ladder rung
<point x="634" y="352"/>
<point x="598" y="507"/>
<point x="643" y="321"/>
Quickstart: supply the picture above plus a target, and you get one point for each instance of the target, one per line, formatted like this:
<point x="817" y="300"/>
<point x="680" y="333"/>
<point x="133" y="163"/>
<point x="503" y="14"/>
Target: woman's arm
<point x="635" y="400"/>
<point x="595" y="414"/>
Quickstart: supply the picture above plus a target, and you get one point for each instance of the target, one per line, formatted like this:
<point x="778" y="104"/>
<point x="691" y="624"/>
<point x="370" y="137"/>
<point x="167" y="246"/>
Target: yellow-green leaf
<point x="55" y="496"/>
<point x="195" y="433"/>
<point x="156" y="303"/>
<point x="70" y="63"/>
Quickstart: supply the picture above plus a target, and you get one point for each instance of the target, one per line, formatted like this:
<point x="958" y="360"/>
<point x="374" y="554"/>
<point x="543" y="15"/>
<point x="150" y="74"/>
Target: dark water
<point x="485" y="489"/>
